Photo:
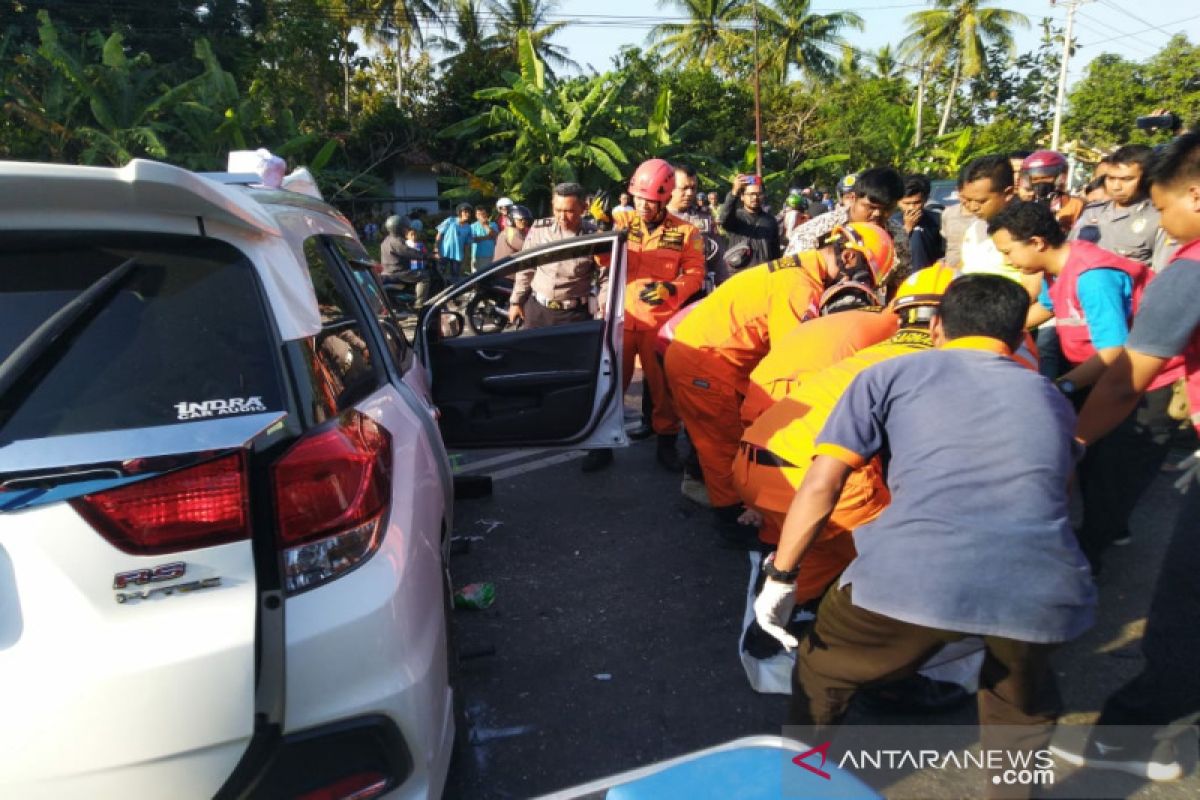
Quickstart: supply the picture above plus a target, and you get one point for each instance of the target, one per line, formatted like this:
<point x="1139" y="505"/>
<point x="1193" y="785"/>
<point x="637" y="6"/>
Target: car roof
<point x="152" y="196"/>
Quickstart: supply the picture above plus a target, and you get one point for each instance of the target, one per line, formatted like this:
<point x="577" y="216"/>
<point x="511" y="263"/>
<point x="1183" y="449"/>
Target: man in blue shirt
<point x="977" y="452"/>
<point x="483" y="237"/>
<point x="1092" y="294"/>
<point x="453" y="240"/>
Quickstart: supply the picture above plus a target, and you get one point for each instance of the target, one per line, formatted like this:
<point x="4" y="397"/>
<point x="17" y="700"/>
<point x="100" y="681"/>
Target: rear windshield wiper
<point x="42" y="341"/>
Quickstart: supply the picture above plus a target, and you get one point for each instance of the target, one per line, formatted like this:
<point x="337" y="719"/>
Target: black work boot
<point x="667" y="454"/>
<point x="642" y="431"/>
<point x="597" y="460"/>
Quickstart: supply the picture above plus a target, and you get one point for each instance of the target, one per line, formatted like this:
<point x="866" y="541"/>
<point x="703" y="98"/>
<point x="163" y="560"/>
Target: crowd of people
<point x="894" y="402"/>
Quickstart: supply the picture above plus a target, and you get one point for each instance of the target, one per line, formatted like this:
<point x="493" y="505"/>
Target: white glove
<point x="1190" y="467"/>
<point x="773" y="609"/>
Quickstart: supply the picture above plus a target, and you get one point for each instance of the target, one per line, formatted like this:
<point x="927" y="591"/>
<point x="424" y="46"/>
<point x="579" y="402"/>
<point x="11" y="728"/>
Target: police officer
<point x="557" y="292"/>
<point x="1128" y="224"/>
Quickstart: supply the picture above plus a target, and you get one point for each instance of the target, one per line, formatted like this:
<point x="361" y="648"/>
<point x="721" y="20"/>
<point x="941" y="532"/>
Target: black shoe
<point x="643" y="431"/>
<point x="914" y="695"/>
<point x="596" y="460"/>
<point x="667" y="454"/>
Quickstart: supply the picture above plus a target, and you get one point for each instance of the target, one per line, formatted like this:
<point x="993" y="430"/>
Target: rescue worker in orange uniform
<point x="775" y="451"/>
<point x="814" y="346"/>
<point x="719" y="344"/>
<point x="665" y="267"/>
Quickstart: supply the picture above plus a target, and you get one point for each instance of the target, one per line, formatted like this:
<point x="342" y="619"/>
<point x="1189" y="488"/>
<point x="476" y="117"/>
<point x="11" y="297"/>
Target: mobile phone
<point x="752" y="180"/>
<point x="1158" y="122"/>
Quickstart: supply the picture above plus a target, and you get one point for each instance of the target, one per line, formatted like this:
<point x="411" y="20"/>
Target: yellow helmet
<point x="873" y="242"/>
<point x="923" y="289"/>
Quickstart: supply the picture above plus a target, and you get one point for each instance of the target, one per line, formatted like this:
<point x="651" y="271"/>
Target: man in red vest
<point x="1092" y="294"/>
<point x="1167" y="325"/>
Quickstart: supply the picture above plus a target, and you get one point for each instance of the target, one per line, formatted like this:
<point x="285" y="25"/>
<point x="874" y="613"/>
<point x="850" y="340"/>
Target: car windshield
<point x="185" y="337"/>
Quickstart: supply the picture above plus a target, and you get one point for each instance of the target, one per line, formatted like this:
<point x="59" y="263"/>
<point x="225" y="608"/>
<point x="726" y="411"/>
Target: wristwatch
<point x="774" y="573"/>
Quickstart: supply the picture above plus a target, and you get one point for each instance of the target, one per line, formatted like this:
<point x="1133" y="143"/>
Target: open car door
<point x="528" y="387"/>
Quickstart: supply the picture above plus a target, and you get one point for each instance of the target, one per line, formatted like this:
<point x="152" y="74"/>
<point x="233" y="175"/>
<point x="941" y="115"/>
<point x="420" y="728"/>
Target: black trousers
<point x="538" y="316"/>
<point x="1116" y="471"/>
<point x="1168" y="688"/>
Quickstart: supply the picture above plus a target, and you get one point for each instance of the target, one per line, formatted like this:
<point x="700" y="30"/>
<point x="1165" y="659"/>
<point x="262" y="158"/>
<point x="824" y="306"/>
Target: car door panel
<point x="544" y="386"/>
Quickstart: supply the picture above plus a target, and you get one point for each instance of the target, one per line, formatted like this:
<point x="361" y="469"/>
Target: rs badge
<point x="141" y="577"/>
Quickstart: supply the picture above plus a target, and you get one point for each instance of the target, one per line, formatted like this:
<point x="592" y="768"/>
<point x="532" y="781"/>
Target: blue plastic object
<point x="744" y="773"/>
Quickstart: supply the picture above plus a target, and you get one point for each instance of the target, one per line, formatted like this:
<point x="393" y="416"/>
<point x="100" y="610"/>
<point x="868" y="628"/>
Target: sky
<point x="1133" y="30"/>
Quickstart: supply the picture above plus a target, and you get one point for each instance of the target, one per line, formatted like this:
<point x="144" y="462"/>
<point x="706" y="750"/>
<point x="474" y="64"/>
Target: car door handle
<point x="490" y="356"/>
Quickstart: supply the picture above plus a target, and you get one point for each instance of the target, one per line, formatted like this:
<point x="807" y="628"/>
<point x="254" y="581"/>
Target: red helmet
<point x="653" y="180"/>
<point x="1044" y="164"/>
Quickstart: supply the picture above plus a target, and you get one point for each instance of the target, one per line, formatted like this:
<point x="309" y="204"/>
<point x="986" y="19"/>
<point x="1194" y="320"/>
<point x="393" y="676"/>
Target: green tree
<point x="706" y="36"/>
<point x="1101" y="107"/>
<point x="955" y="33"/>
<point x="514" y="16"/>
<point x="795" y="36"/>
<point x="400" y="25"/>
<point x="541" y="132"/>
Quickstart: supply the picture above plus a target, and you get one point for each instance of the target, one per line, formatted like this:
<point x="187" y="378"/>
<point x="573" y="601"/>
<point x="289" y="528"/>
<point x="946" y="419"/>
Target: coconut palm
<point x="401" y="24"/>
<point x="711" y="28"/>
<point x="884" y="63"/>
<point x="797" y="37"/>
<point x="464" y="29"/>
<point x="956" y="34"/>
<point x="514" y="16"/>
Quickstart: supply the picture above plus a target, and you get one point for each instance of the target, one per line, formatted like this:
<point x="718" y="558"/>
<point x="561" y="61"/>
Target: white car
<point x="225" y="500"/>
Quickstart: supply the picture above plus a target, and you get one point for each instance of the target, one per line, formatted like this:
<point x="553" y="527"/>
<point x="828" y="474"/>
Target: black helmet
<point x="393" y="224"/>
<point x="521" y="212"/>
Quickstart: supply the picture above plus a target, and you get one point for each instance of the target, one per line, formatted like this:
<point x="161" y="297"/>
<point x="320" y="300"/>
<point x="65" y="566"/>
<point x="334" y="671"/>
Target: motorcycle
<point x="487" y="307"/>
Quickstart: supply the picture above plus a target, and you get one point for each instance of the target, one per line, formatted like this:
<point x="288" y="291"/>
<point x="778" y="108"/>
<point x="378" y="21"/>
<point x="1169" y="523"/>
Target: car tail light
<point x="198" y="506"/>
<point x="360" y="786"/>
<point x="332" y="490"/>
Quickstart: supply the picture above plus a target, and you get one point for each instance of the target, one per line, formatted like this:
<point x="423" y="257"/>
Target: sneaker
<point x="596" y="460"/>
<point x="695" y="490"/>
<point x="1153" y="759"/>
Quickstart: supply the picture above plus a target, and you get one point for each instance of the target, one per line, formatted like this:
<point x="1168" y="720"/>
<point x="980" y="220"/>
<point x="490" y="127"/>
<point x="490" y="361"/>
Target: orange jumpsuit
<point x="811" y="347"/>
<point x="717" y="346"/>
<point x="672" y="253"/>
<point x="776" y="450"/>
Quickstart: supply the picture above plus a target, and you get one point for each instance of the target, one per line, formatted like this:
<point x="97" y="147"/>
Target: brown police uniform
<point x="556" y="292"/>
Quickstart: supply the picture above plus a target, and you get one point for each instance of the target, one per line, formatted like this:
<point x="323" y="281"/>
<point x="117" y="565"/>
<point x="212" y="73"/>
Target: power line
<point x="1135" y="17"/>
<point x="1138" y="32"/>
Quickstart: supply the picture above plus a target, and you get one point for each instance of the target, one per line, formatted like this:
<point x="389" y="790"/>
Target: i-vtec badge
<point x="166" y="572"/>
<point x="219" y="408"/>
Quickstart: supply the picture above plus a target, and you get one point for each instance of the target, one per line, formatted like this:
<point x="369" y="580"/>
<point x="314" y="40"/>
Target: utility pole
<point x="757" y="101"/>
<point x="1072" y="7"/>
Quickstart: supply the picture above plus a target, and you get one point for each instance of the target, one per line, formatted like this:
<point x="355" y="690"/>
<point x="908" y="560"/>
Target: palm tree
<point x="399" y="23"/>
<point x="884" y="63"/>
<point x="956" y="33"/>
<point x="514" y="16"/>
<point x="704" y="38"/>
<point x="803" y="39"/>
<point x="465" y="30"/>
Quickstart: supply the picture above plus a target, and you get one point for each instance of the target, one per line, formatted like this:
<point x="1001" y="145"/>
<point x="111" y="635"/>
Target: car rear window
<point x="184" y="338"/>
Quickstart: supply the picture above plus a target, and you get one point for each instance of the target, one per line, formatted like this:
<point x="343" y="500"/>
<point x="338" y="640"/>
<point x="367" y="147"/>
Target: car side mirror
<point x="450" y="324"/>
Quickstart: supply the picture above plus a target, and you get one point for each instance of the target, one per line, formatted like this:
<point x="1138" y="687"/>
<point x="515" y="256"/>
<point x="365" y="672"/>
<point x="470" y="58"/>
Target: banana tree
<point x="541" y="132"/>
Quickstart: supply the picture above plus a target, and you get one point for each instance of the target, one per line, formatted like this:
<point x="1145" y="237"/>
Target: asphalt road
<point x="613" y="639"/>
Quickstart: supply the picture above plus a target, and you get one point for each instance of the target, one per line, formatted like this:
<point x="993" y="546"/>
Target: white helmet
<point x="503" y="204"/>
